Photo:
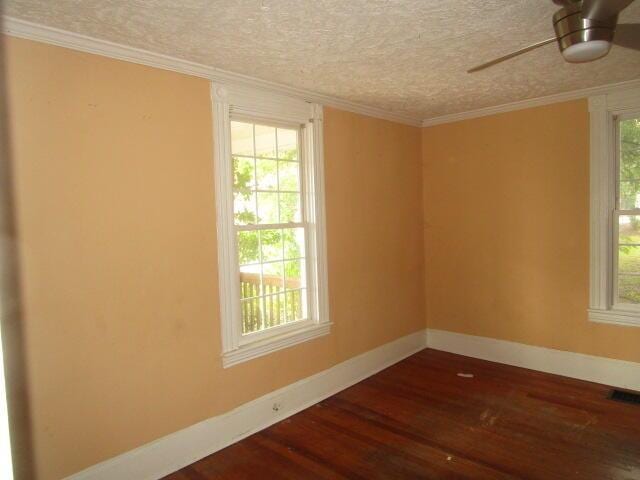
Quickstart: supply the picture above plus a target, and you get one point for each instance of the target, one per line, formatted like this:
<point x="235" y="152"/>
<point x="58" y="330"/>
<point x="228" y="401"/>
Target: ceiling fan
<point x="585" y="31"/>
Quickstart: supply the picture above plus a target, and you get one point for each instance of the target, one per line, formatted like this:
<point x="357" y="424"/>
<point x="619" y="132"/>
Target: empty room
<point x="320" y="239"/>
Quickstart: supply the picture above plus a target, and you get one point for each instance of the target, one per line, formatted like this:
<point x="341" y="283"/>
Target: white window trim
<point x="237" y="100"/>
<point x="603" y="177"/>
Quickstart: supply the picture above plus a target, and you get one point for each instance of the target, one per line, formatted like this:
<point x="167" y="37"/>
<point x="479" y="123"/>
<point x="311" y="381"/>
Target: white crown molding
<point x="179" y="449"/>
<point x="62" y="38"/>
<point x="532" y="102"/>
<point x="607" y="371"/>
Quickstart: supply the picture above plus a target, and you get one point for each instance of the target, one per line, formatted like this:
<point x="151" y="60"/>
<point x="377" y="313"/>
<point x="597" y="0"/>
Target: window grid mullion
<point x="293" y="290"/>
<point x="279" y="220"/>
<point x="268" y="226"/>
<point x="630" y="211"/>
<point x="255" y="186"/>
<point x="304" y="189"/>
<point x="616" y="219"/>
<point x="273" y="261"/>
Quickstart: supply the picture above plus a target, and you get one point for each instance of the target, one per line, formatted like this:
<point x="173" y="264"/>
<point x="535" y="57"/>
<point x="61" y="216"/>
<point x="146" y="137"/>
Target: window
<point x="267" y="211"/>
<point x="615" y="208"/>
<point x="627" y="213"/>
<point x="270" y="205"/>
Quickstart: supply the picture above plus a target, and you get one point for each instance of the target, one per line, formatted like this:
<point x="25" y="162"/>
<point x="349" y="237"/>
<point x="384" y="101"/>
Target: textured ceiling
<point x="406" y="56"/>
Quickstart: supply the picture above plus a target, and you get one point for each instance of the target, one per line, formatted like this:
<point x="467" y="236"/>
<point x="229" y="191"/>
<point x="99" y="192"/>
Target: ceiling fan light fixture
<point x="582" y="39"/>
<point x="586" y="51"/>
<point x="584" y="31"/>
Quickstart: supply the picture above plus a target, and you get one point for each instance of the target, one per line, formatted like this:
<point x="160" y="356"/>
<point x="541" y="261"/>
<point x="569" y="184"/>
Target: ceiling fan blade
<point x="603" y="9"/>
<point x="627" y="35"/>
<point x="511" y="55"/>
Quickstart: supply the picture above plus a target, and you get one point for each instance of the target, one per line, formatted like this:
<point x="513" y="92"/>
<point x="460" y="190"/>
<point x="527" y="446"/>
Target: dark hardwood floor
<point x="418" y="419"/>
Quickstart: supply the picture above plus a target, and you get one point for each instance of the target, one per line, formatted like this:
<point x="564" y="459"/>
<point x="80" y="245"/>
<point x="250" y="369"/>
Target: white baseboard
<point x="617" y="373"/>
<point x="168" y="454"/>
<point x="172" y="452"/>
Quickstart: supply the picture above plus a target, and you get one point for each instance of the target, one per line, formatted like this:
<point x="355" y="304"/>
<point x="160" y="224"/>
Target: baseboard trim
<point x="174" y="451"/>
<point x="608" y="371"/>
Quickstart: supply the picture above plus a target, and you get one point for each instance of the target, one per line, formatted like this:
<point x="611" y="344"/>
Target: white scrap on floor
<point x="465" y="375"/>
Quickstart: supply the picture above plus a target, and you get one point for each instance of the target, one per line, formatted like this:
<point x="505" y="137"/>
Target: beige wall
<point x="113" y="170"/>
<point x="507" y="231"/>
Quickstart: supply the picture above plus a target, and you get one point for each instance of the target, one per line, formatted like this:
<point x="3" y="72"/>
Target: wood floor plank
<point x="419" y="419"/>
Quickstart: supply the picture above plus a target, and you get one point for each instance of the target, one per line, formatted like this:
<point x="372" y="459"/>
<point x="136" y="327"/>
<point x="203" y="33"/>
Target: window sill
<point x="273" y="344"/>
<point x="616" y="317"/>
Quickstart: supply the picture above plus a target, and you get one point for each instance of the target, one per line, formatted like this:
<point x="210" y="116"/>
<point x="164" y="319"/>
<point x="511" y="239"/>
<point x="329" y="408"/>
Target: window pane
<point x="273" y="277"/>
<point x="630" y="163"/>
<point x="267" y="174"/>
<point x="296" y="305"/>
<point x="289" y="176"/>
<point x="274" y="310"/>
<point x="287" y="144"/>
<point x="293" y="242"/>
<point x="628" y="289"/>
<point x="271" y="242"/>
<point x="629" y="259"/>
<point x="629" y="229"/>
<point x="241" y="138"/>
<point x="248" y="247"/>
<point x="294" y="272"/>
<point x="250" y="281"/>
<point x="244" y="208"/>
<point x="267" y="207"/>
<point x="273" y="285"/>
<point x="629" y="194"/>
<point x="290" y="207"/>
<point x="251" y="313"/>
<point x="243" y="174"/>
<point x="265" y="141"/>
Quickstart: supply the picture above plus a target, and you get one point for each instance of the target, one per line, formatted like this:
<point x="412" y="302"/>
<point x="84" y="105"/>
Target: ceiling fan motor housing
<point x="582" y="39"/>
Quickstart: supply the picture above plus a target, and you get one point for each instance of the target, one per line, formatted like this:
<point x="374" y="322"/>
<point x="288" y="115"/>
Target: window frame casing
<point x="240" y="102"/>
<point x="604" y="112"/>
